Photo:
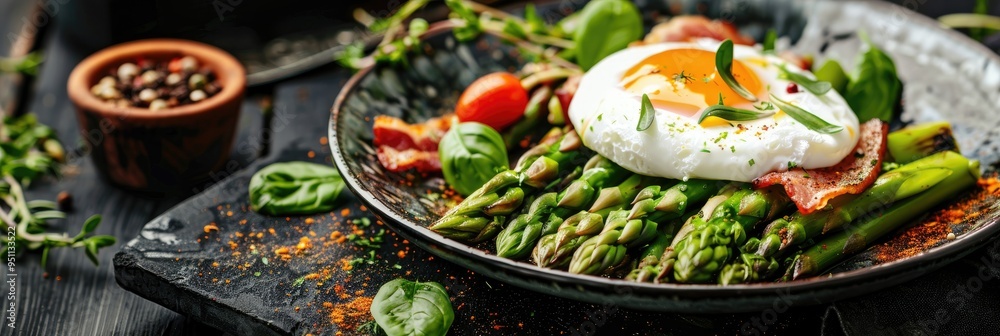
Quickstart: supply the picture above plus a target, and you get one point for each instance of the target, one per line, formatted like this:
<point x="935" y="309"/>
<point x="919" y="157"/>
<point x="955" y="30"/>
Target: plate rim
<point x="901" y="270"/>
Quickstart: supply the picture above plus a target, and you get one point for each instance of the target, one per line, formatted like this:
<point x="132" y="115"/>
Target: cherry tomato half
<point x="497" y="100"/>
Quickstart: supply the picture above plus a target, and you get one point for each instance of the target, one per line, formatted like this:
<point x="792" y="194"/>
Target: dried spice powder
<point x="350" y="315"/>
<point x="939" y="226"/>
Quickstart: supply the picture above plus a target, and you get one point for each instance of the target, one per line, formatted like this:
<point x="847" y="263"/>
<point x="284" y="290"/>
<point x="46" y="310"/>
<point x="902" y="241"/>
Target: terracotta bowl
<point x="163" y="150"/>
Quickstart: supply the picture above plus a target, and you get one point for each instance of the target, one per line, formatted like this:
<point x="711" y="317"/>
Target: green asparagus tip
<point x="608" y="197"/>
<point x="673" y="200"/>
<point x="641" y="209"/>
<point x="541" y="172"/>
<point x="576" y="195"/>
<point x="506" y="205"/>
<point x="802" y="266"/>
<point x="646" y="193"/>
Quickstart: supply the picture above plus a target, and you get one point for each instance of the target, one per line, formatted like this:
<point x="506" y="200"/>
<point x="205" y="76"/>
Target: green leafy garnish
<point x="605" y="27"/>
<point x="875" y="90"/>
<point x="832" y="72"/>
<point x="731" y="113"/>
<point x="29" y="151"/>
<point x="403" y="307"/>
<point x="724" y="65"/>
<point x="811" y="121"/>
<point x="816" y="87"/>
<point x="646" y="114"/>
<point x="769" y="40"/>
<point x="295" y="188"/>
<point x="471" y="153"/>
<point x="470" y="27"/>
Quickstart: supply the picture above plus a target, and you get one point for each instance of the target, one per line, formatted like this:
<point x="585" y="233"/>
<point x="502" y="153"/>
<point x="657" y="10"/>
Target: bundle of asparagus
<point x="602" y="217"/>
<point x="479" y="217"/>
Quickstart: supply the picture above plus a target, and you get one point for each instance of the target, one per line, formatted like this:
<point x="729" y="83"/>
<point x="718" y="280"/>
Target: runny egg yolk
<point x="685" y="81"/>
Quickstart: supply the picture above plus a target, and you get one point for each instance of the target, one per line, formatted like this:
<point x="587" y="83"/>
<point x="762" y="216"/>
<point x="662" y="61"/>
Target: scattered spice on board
<point x="350" y="315"/>
<point x="939" y="226"/>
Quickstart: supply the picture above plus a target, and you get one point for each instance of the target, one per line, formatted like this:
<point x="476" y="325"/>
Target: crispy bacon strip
<point x="686" y="28"/>
<point x="811" y="189"/>
<point x="398" y="134"/>
<point x="403" y="160"/>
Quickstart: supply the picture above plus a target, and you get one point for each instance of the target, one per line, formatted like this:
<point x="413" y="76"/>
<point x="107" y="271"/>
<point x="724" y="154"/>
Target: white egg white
<point x="677" y="147"/>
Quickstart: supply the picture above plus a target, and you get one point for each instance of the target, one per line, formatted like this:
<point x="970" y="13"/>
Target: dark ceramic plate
<point x="946" y="76"/>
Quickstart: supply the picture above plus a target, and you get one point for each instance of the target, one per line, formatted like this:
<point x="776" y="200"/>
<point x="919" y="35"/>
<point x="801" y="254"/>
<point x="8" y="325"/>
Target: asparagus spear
<point x="626" y="229"/>
<point x="890" y="187"/>
<point x="703" y="252"/>
<point x="522" y="233"/>
<point x="554" y="250"/>
<point x="479" y="216"/>
<point x="963" y="173"/>
<point x="665" y="268"/>
<point x="648" y="265"/>
<point x="919" y="141"/>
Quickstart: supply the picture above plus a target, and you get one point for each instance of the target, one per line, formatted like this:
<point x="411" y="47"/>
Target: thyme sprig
<point x="29" y="151"/>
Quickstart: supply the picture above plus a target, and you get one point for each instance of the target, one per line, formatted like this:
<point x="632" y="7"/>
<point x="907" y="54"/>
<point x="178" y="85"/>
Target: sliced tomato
<point x="497" y="100"/>
<point x="811" y="189"/>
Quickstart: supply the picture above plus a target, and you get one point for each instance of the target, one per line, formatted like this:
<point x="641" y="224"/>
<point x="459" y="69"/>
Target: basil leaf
<point x="605" y="27"/>
<point x="724" y="65"/>
<point x="409" y="308"/>
<point x="818" y="88"/>
<point x="471" y="153"/>
<point x="834" y="74"/>
<point x="811" y="121"/>
<point x="769" y="40"/>
<point x="646" y="114"/>
<point x="295" y="188"/>
<point x="875" y="91"/>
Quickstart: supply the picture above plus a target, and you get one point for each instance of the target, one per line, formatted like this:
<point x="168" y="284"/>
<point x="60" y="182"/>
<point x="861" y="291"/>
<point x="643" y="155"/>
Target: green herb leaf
<point x="91" y="224"/>
<point x="295" y="188"/>
<point x="875" y="91"/>
<point x="471" y="27"/>
<point x="731" y="113"/>
<point x="605" y="27"/>
<point x="646" y="114"/>
<point x="769" y="40"/>
<point x="811" y="121"/>
<point x="471" y="153"/>
<point x="418" y="26"/>
<point x="724" y="65"/>
<point x="536" y="24"/>
<point x="512" y="27"/>
<point x="832" y="72"/>
<point x="410" y="308"/>
<point x="814" y="86"/>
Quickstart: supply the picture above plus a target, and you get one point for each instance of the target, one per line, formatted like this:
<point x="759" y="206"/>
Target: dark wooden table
<point x="72" y="297"/>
